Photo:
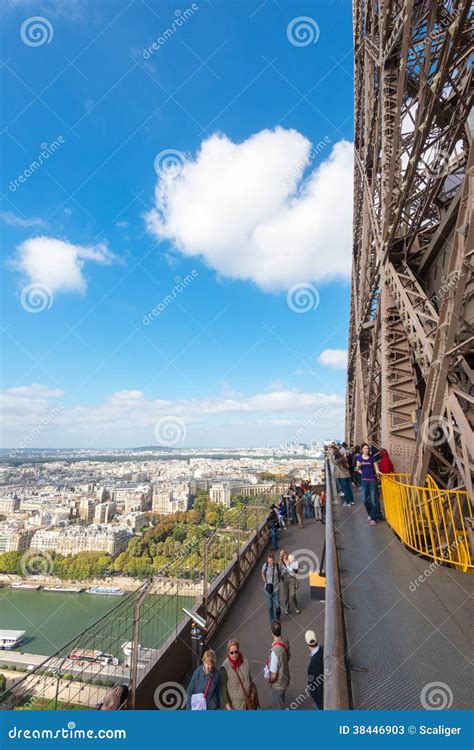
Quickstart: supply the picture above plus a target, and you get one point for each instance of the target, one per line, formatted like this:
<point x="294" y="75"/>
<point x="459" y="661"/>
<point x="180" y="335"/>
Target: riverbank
<point x="161" y="585"/>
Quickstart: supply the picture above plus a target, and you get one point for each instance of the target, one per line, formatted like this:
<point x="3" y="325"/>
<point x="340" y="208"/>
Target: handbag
<point x="251" y="698"/>
<point x="198" y="700"/>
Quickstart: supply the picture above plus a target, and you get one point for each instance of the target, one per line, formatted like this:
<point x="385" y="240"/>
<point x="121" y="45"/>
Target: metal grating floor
<point x="412" y="636"/>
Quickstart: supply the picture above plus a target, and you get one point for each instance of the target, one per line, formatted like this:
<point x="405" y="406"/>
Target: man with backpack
<point x="278" y="669"/>
<point x="271" y="580"/>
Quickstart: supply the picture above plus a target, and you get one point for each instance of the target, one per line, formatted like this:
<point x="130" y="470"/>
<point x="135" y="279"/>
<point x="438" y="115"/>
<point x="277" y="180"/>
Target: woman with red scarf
<point x="238" y="693"/>
<point x="385" y="464"/>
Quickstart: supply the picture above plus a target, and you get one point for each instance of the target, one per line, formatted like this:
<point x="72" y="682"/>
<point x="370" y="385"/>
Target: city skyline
<point x="176" y="268"/>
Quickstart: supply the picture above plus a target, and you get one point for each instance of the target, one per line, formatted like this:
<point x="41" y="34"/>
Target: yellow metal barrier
<point x="429" y="520"/>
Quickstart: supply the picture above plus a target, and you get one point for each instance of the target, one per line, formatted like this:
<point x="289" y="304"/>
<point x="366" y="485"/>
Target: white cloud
<point x="335" y="358"/>
<point x="275" y="386"/>
<point x="36" y="390"/>
<point x="20" y="221"/>
<point x="251" y="213"/>
<point x="128" y="417"/>
<point x="59" y="264"/>
<point x="72" y="9"/>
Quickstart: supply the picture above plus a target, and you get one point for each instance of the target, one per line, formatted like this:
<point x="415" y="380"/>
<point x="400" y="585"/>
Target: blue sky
<point x="190" y="251"/>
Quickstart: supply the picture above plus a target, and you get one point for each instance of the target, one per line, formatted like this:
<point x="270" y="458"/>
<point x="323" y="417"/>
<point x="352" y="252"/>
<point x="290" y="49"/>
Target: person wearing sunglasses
<point x="238" y="693"/>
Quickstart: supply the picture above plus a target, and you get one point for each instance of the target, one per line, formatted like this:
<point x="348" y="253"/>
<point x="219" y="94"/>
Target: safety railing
<point x="336" y="683"/>
<point x="430" y="521"/>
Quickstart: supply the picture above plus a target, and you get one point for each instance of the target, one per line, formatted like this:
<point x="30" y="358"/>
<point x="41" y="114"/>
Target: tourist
<point x="271" y="581"/>
<point x="307" y="504"/>
<point x="277" y="669"/>
<point x="385" y="463"/>
<point x="289" y="579"/>
<point x="343" y="474"/>
<point x="273" y="525"/>
<point x="238" y="693"/>
<point x="369" y="470"/>
<point x="114" y="698"/>
<point x="315" y="669"/>
<point x="299" y="510"/>
<point x="317" y="506"/>
<point x="352" y="463"/>
<point x="292" y="508"/>
<point x="204" y="690"/>
<point x="282" y="513"/>
<point x="323" y="506"/>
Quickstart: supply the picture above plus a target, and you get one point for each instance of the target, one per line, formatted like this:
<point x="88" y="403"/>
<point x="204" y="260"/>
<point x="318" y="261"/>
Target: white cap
<point x="310" y="638"/>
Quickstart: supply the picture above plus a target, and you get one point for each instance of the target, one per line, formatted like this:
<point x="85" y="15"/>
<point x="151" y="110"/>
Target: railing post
<point x="135" y="651"/>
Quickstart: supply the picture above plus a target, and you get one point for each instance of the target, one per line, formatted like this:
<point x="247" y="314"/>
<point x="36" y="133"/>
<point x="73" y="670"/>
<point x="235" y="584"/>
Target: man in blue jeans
<point x="271" y="582"/>
<point x="273" y="524"/>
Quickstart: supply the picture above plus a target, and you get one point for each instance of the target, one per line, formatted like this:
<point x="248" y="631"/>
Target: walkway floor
<point x="411" y="626"/>
<point x="248" y="620"/>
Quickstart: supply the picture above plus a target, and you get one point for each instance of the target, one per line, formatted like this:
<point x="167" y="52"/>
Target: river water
<point x="52" y="619"/>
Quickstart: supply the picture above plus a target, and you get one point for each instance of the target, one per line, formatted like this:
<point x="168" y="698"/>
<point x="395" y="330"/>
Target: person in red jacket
<point x="385" y="463"/>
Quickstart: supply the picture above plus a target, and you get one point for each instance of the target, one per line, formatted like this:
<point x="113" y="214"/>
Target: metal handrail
<point x="336" y="682"/>
<point x="428" y="520"/>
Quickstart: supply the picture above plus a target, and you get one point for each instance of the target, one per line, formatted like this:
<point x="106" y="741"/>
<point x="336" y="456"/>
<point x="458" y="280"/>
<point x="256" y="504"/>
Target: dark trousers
<point x="274" y="537"/>
<point x="370" y="497"/>
<point x="347" y="489"/>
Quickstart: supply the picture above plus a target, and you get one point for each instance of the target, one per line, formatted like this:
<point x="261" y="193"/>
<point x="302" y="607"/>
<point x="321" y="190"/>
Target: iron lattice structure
<point x="410" y="374"/>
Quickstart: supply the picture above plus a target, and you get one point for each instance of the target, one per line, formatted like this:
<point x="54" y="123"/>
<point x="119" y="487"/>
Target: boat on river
<point x="11" y="638"/>
<point x="26" y="586"/>
<point x="105" y="591"/>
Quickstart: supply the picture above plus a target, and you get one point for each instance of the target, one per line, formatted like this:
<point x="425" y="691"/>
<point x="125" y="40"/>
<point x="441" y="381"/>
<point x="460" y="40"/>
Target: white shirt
<point x="273" y="662"/>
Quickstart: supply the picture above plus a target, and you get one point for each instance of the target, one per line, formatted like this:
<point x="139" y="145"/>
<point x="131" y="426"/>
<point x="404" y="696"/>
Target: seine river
<point x="52" y="619"/>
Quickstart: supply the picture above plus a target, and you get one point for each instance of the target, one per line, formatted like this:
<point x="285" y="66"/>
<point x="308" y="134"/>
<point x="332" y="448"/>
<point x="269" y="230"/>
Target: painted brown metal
<point x="410" y="374"/>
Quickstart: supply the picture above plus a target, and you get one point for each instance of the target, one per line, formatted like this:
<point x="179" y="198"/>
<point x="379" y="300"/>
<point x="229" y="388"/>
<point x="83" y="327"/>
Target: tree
<point x="10" y="562"/>
<point x="120" y="562"/>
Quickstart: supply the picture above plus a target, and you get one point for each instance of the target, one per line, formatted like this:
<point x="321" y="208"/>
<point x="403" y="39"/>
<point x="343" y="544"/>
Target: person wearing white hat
<point x="315" y="668"/>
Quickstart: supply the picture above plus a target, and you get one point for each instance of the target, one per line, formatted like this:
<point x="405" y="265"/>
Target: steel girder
<point x="410" y="377"/>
